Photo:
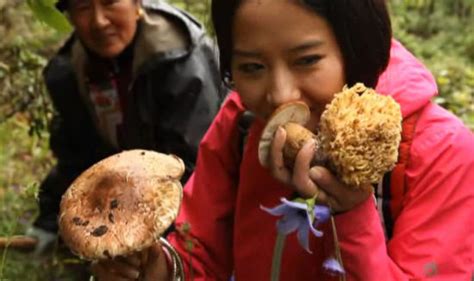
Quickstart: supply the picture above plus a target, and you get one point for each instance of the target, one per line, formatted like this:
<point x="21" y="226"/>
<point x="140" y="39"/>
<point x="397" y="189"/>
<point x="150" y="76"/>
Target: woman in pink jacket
<point x="274" y="52"/>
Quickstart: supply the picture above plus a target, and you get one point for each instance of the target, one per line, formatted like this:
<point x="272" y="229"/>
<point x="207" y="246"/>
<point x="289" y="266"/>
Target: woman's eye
<point x="308" y="60"/>
<point x="250" y="68"/>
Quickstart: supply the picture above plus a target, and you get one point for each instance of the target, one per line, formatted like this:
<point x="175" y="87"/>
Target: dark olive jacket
<point x="177" y="93"/>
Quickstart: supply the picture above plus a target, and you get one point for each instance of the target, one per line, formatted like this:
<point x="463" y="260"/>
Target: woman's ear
<point x="140" y="12"/>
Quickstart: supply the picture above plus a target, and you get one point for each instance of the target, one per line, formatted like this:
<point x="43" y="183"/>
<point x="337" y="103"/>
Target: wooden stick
<point x="18" y="242"/>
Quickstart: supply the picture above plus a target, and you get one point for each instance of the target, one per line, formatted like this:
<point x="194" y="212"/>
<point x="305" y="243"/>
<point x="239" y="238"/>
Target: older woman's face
<point x="283" y="52"/>
<point x="106" y="27"/>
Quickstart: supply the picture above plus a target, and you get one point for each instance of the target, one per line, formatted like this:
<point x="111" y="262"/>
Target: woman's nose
<point x="282" y="88"/>
<point x="99" y="18"/>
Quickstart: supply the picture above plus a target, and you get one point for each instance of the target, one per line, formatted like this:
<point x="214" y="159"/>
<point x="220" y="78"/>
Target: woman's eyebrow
<point x="306" y="45"/>
<point x="246" y="54"/>
<point x="302" y="47"/>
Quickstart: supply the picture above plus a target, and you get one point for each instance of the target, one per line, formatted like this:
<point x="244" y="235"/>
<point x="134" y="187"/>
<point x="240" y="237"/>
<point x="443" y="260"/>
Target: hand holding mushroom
<point x="120" y="207"/>
<point x="357" y="142"/>
<point x="133" y="267"/>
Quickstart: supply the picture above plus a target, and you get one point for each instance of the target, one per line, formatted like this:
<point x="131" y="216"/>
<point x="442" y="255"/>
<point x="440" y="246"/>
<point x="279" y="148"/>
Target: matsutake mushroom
<point x="357" y="139"/>
<point x="121" y="204"/>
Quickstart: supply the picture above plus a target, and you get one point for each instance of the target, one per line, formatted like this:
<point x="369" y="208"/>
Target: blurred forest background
<point x="439" y="32"/>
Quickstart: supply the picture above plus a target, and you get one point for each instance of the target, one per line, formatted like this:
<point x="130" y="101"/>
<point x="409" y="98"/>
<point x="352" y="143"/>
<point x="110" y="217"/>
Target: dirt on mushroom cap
<point x="121" y="204"/>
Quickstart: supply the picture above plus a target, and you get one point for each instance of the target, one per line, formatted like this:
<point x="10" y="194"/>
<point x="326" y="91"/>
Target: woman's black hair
<point x="362" y="29"/>
<point x="62" y="5"/>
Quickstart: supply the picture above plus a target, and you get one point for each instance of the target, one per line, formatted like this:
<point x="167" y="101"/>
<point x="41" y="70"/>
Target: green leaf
<point x="186" y="227"/>
<point x="189" y="245"/>
<point x="45" y="11"/>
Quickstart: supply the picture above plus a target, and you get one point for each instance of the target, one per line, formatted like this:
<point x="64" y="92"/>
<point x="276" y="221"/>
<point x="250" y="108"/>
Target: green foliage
<point x="200" y="9"/>
<point x="46" y="12"/>
<point x="22" y="89"/>
<point x="456" y="86"/>
<point x="23" y="55"/>
<point x="441" y="34"/>
<point x="23" y="159"/>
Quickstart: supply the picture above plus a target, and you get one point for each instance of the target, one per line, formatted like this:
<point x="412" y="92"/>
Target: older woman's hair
<point x="61" y="5"/>
<point x="362" y="28"/>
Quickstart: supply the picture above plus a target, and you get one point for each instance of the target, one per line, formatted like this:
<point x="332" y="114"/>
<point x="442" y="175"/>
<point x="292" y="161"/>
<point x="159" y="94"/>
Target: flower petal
<point x="295" y="205"/>
<point x="333" y="267"/>
<point x="279" y="210"/>
<point x="316" y="232"/>
<point x="303" y="237"/>
<point x="321" y="213"/>
<point x="289" y="223"/>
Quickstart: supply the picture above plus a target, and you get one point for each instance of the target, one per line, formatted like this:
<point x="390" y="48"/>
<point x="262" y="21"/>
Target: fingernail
<point x="315" y="173"/>
<point x="135" y="274"/>
<point x="281" y="131"/>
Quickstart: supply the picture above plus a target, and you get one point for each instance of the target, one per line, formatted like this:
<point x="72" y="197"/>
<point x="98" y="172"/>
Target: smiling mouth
<point x="104" y="36"/>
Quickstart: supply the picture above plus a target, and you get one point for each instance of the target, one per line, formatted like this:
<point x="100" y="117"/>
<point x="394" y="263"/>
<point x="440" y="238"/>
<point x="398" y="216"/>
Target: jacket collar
<point x="165" y="33"/>
<point x="407" y="80"/>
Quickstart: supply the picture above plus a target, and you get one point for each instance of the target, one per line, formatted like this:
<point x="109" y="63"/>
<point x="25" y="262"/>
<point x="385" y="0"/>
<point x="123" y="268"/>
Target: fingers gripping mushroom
<point x="358" y="135"/>
<point x="121" y="204"/>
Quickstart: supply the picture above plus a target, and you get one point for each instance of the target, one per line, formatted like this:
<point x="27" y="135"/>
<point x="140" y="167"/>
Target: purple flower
<point x="301" y="216"/>
<point x="333" y="267"/>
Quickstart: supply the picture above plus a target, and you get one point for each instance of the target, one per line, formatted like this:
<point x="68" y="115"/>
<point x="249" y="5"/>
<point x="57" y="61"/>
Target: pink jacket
<point x="432" y="238"/>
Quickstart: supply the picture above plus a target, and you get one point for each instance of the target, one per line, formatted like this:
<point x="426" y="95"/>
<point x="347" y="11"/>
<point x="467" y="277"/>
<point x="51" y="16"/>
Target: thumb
<point x="156" y="267"/>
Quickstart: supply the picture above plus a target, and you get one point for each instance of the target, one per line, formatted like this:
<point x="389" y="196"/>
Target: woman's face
<point x="106" y="27"/>
<point x="284" y="52"/>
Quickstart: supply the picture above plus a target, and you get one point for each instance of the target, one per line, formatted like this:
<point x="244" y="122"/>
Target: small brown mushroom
<point x="122" y="204"/>
<point x="358" y="136"/>
<point x="292" y="116"/>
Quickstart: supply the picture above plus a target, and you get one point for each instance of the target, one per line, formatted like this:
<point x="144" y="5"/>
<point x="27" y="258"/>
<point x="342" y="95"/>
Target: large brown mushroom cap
<point x="121" y="204"/>
<point x="360" y="134"/>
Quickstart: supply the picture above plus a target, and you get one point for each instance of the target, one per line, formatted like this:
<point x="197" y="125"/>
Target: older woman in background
<point x="132" y="75"/>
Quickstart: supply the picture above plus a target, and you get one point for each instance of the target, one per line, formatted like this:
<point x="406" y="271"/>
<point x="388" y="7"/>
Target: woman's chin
<point x="108" y="52"/>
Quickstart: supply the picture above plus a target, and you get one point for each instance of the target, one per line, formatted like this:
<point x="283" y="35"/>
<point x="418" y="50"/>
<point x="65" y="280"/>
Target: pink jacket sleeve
<point x="209" y="201"/>
<point x="433" y="236"/>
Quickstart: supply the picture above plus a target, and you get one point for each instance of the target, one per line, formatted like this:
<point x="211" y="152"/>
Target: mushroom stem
<point x="296" y="136"/>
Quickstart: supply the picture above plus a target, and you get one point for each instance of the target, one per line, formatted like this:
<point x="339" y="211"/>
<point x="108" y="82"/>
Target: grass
<point x="25" y="160"/>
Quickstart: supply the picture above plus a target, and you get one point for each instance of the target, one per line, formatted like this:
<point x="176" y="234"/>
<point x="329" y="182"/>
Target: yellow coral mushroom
<point x="359" y="135"/>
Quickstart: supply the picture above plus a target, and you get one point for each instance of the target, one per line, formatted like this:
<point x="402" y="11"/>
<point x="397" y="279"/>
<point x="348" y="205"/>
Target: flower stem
<point x="277" y="254"/>
<point x="337" y="249"/>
